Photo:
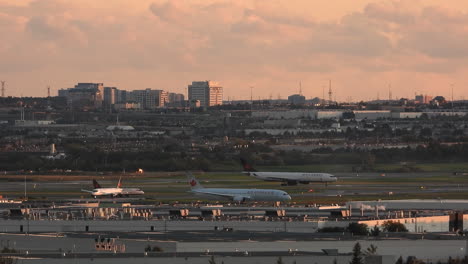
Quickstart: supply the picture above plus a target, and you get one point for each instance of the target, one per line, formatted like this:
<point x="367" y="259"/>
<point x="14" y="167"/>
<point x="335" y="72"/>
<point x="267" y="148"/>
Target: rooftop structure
<point x="297" y="99"/>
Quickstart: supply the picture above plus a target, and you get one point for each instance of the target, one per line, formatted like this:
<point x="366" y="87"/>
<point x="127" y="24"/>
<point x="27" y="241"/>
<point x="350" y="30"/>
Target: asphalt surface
<point x="175" y="187"/>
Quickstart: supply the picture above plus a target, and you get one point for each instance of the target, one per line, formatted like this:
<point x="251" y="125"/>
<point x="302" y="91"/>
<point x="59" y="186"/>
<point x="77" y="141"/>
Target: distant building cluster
<point x="429" y="99"/>
<point x="96" y="96"/>
<point x="202" y="94"/>
<point x="423" y="99"/>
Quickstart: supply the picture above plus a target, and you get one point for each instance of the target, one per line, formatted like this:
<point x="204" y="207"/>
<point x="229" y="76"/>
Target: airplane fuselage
<point x="242" y="195"/>
<point x="298" y="177"/>
<point x="116" y="192"/>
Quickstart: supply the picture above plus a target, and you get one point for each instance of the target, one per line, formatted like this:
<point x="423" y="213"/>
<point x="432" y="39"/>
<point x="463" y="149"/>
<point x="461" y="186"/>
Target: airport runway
<point x="175" y="188"/>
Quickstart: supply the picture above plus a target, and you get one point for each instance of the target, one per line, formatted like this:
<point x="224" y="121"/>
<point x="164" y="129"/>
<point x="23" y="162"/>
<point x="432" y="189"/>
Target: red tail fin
<point x="119" y="185"/>
<point x="246" y="165"/>
<point x="96" y="184"/>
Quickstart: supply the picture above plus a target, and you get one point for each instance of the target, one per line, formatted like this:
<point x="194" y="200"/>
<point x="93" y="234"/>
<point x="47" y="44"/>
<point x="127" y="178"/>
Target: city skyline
<point x="416" y="47"/>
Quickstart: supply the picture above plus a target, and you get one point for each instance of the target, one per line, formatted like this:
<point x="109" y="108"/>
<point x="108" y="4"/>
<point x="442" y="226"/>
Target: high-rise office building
<point x="148" y="98"/>
<point x="163" y="98"/>
<point x="110" y="95"/>
<point x="84" y="95"/>
<point x="176" y="99"/>
<point x="121" y="96"/>
<point x="209" y="93"/>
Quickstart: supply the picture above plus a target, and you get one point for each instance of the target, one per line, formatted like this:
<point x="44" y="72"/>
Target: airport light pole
<point x="25" y="198"/>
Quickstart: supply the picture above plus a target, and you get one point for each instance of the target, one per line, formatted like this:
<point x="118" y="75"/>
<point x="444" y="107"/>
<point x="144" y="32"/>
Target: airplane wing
<point x="125" y="192"/>
<point x="86" y="191"/>
<point x="269" y="178"/>
<point x="226" y="195"/>
<point x="276" y="179"/>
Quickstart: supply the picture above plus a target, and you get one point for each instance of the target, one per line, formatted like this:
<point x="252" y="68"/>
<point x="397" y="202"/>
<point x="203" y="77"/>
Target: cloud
<point x="175" y="12"/>
<point x="252" y="41"/>
<point x="398" y="12"/>
<point x="351" y="37"/>
<point x="439" y="34"/>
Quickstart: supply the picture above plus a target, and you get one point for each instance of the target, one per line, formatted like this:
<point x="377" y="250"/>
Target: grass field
<point x="432" y="181"/>
<point x="386" y="167"/>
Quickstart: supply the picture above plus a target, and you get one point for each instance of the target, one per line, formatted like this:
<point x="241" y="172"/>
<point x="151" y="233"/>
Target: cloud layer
<point x="271" y="45"/>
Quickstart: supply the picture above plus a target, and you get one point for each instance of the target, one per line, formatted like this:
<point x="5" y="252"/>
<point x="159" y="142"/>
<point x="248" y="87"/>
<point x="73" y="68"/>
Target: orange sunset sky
<point x="363" y="46"/>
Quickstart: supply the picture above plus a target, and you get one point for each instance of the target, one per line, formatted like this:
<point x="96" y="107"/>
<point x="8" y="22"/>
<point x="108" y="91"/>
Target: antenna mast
<point x="330" y="93"/>
<point x="323" y="94"/>
<point x="48" y="98"/>
<point x="251" y="95"/>
<point x="451" y="85"/>
<point x="390" y="92"/>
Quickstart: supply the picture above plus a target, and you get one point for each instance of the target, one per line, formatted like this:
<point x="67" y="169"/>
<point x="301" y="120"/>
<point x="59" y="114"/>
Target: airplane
<point x="287" y="178"/>
<point x="98" y="191"/>
<point x="238" y="195"/>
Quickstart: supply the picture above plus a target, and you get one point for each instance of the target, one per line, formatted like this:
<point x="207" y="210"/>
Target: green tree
<point x="371" y="250"/>
<point x="148" y="248"/>
<point x="392" y="226"/>
<point x="357" y="254"/>
<point x="399" y="260"/>
<point x="7" y="260"/>
<point x="212" y="260"/>
<point x="375" y="231"/>
<point x="413" y="260"/>
<point x="358" y="229"/>
<point x="280" y="260"/>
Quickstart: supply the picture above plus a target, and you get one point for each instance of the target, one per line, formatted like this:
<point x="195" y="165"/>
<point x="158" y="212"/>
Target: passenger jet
<point x="98" y="191"/>
<point x="288" y="178"/>
<point x="238" y="195"/>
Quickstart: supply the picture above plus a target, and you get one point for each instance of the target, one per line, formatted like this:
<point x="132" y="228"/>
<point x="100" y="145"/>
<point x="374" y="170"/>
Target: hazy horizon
<point x="363" y="46"/>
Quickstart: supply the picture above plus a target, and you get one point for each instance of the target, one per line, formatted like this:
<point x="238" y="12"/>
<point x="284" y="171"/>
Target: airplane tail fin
<point x="247" y="166"/>
<point x="119" y="184"/>
<point x="194" y="184"/>
<point x="96" y="185"/>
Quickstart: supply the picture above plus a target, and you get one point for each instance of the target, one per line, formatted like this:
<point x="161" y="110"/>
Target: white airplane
<point x="288" y="178"/>
<point x="238" y="195"/>
<point x="98" y="191"/>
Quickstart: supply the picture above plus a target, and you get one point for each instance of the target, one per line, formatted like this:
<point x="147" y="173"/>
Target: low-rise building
<point x="409" y="115"/>
<point x="296" y="99"/>
<point x="372" y="114"/>
<point x="329" y="114"/>
<point x="127" y="106"/>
